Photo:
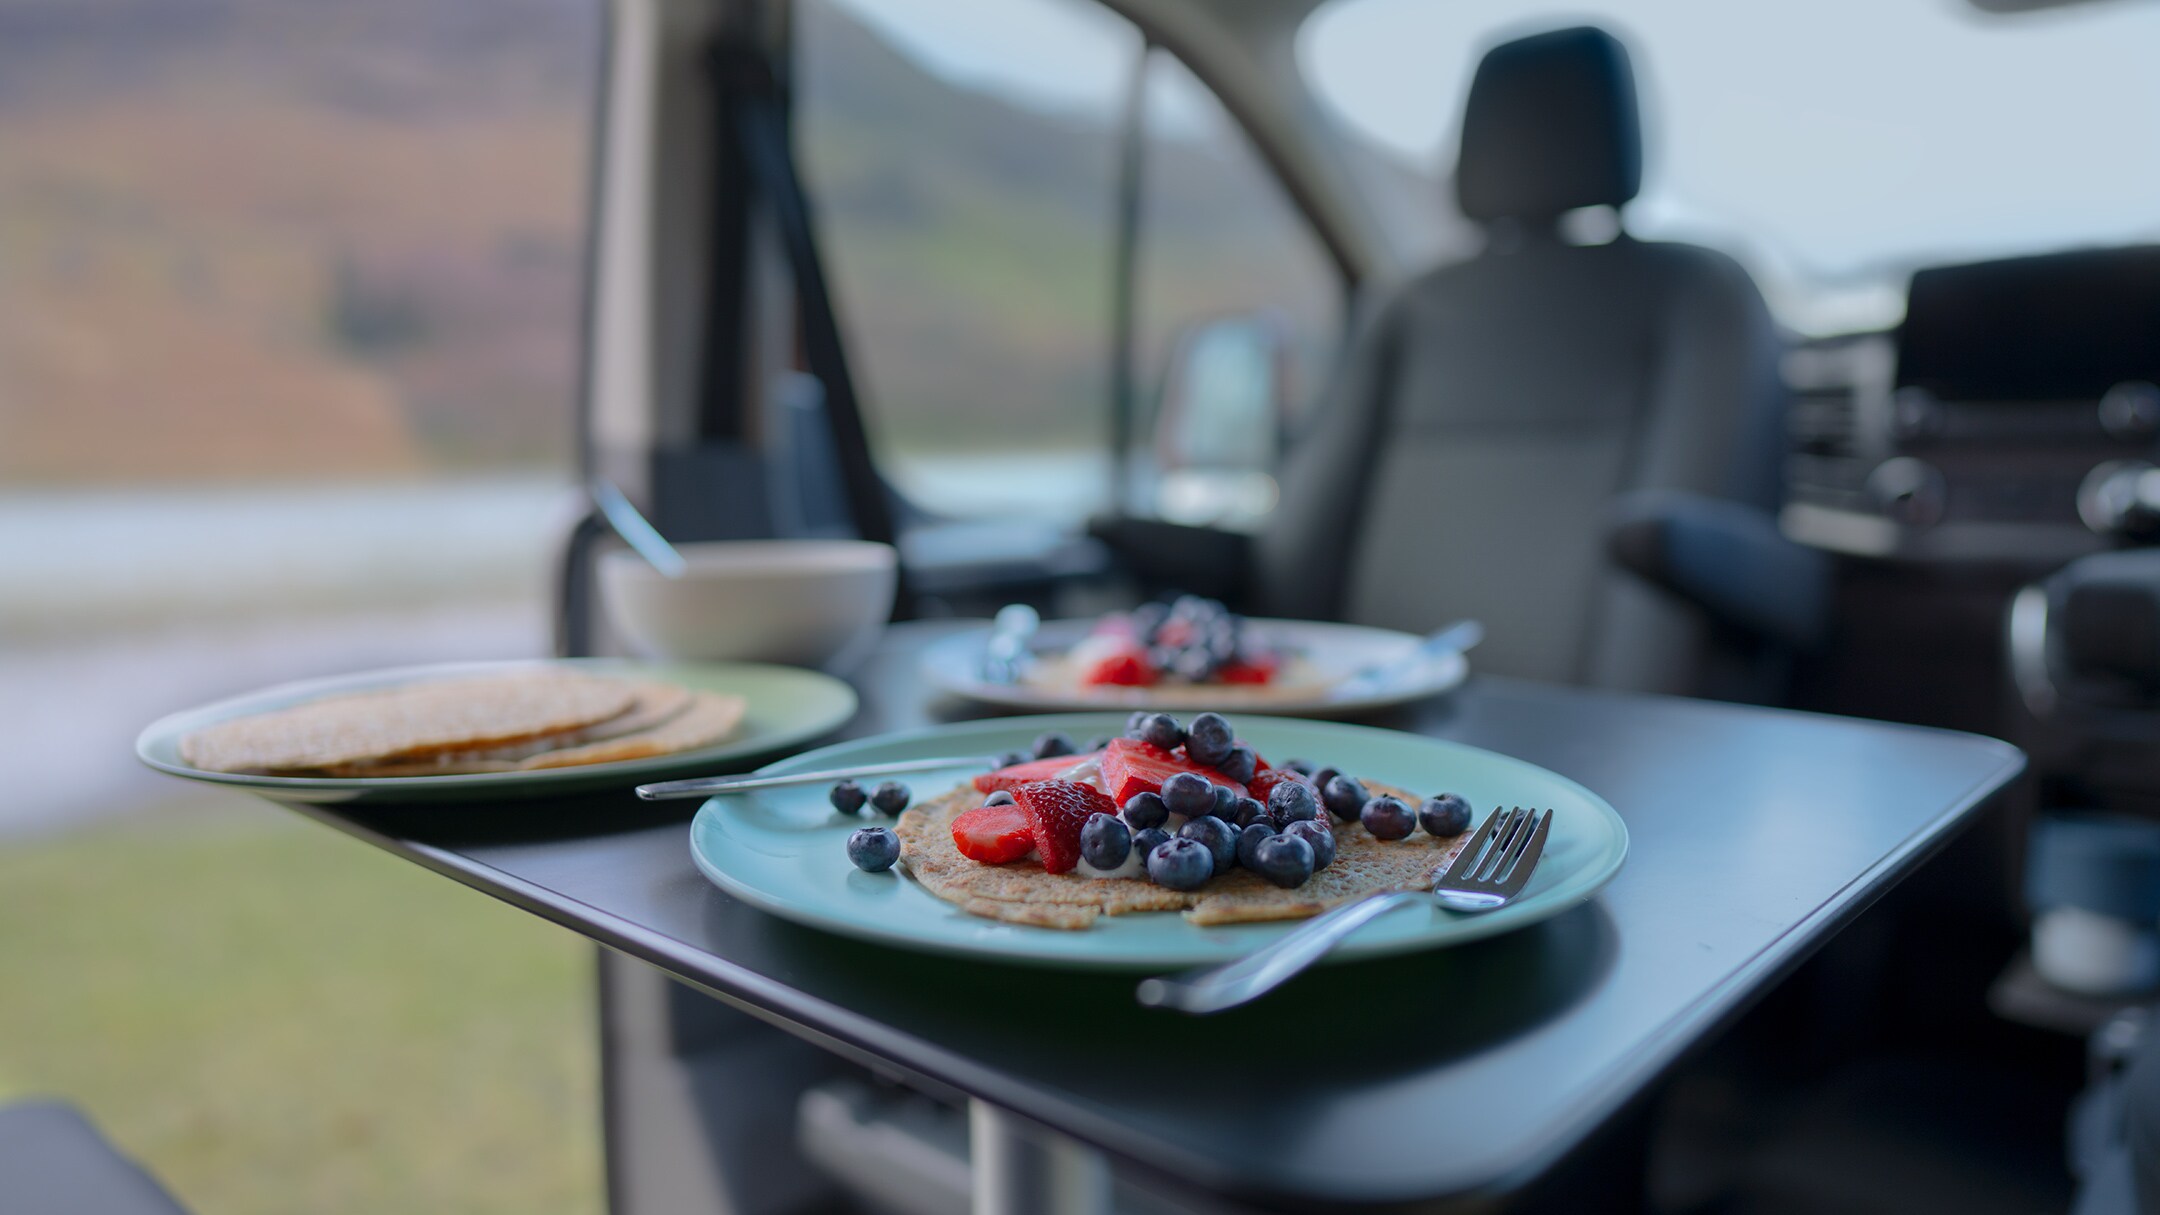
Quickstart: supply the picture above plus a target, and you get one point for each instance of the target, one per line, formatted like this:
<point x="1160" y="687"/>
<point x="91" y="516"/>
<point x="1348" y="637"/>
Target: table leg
<point x="1022" y="1169"/>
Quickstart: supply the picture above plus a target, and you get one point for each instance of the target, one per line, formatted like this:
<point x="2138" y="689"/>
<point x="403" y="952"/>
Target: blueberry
<point x="1013" y="759"/>
<point x="1105" y="841"/>
<point x="1316" y="833"/>
<point x="1181" y="864"/>
<point x="1445" y="815"/>
<point x="1193" y="666"/>
<point x="1053" y="743"/>
<point x="890" y="797"/>
<point x="1225" y="803"/>
<point x="1291" y="801"/>
<point x="1321" y="778"/>
<point x="1388" y="818"/>
<point x="1096" y="743"/>
<point x="873" y="849"/>
<point x="1208" y="740"/>
<point x="1219" y="837"/>
<point x="1245" y="811"/>
<point x="1249" y="839"/>
<point x="1148" y="839"/>
<point x="1286" y="860"/>
<point x="1162" y="730"/>
<point x="1144" y="810"/>
<point x="848" y="797"/>
<point x="1303" y="767"/>
<point x="1136" y="725"/>
<point x="1002" y="797"/>
<point x="1189" y="794"/>
<point x="1241" y="765"/>
<point x="1344" y="797"/>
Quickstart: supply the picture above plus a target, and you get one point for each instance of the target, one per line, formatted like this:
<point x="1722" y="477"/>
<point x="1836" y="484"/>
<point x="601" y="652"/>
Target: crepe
<point x="1024" y="893"/>
<point x="410" y="723"/>
<point x="655" y="704"/>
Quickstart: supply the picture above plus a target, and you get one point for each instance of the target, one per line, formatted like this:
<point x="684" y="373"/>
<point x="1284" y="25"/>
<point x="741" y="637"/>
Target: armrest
<point x="1172" y="556"/>
<point x="1728" y="559"/>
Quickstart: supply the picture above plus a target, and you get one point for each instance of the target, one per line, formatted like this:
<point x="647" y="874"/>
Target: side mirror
<point x="1219" y="427"/>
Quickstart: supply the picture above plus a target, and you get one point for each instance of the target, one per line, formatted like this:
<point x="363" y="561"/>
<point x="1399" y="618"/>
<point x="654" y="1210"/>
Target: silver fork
<point x="1489" y="872"/>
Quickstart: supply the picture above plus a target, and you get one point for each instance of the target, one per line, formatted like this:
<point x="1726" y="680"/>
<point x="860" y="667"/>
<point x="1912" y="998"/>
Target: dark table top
<point x="1461" y="1072"/>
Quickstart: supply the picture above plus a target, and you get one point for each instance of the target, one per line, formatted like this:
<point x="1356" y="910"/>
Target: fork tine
<point x="1523" y="857"/>
<point x="1469" y="854"/>
<point x="1490" y="867"/>
<point x="1521" y="844"/>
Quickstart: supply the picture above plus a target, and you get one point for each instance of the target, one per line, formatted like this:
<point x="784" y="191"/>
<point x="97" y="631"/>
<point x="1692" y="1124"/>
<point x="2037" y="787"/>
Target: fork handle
<point x="1215" y="988"/>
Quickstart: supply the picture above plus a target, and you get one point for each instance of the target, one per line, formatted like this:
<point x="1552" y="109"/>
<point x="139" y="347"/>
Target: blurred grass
<point x="275" y="1018"/>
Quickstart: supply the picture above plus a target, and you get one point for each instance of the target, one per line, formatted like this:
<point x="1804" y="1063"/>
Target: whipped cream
<point x="1135" y="866"/>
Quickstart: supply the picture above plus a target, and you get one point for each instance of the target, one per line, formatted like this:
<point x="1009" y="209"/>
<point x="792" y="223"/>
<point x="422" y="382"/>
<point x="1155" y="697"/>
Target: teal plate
<point x="786" y="707"/>
<point x="783" y="850"/>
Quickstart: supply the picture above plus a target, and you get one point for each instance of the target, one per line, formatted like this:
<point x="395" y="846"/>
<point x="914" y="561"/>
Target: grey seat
<point x="1489" y="413"/>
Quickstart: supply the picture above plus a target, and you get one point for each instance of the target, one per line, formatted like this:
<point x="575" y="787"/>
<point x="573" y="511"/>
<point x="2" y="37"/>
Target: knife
<point x="715" y="786"/>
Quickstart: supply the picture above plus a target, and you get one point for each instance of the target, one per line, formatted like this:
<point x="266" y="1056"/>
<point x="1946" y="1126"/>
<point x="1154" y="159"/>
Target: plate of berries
<point x="1155" y="842"/>
<point x="1192" y="654"/>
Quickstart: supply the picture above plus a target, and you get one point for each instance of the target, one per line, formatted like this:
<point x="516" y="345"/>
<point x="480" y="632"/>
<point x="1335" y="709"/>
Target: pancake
<point x="709" y="718"/>
<point x="1023" y="893"/>
<point x="656" y="704"/>
<point x="413" y="722"/>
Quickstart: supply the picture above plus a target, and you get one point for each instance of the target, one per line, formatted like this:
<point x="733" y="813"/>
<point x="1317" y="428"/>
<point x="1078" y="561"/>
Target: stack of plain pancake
<point x="518" y="721"/>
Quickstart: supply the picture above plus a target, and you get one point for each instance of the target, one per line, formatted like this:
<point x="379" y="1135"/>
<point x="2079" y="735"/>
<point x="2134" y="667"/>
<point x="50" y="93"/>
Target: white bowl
<point x="813" y="603"/>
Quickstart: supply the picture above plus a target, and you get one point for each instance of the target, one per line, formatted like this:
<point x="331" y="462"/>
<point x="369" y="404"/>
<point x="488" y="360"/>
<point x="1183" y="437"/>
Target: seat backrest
<point x="1487" y="411"/>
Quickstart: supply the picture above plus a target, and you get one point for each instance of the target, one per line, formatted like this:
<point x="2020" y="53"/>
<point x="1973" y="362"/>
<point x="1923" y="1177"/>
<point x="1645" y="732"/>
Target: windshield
<point x="1832" y="146"/>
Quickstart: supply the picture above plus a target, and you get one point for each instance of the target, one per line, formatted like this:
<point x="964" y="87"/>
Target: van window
<point x="1239" y="309"/>
<point x="964" y="201"/>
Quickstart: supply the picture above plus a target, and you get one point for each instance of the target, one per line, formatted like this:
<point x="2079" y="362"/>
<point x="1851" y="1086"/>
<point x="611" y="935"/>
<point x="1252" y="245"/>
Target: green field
<point x="276" y="1018"/>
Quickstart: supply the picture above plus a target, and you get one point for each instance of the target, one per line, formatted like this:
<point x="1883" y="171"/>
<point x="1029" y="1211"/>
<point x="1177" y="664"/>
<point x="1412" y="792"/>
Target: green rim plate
<point x="787" y="706"/>
<point x="783" y="850"/>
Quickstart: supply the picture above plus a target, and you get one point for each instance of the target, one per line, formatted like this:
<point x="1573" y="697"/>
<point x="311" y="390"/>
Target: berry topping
<point x="1284" y="859"/>
<point x="1445" y="815"/>
<point x="1125" y="667"/>
<point x="1002" y="797"/>
<point x="1181" y="864"/>
<point x="1144" y="810"/>
<point x="1315" y="832"/>
<point x="1344" y="798"/>
<point x="1130" y="767"/>
<point x="1053" y="743"/>
<point x="1148" y="839"/>
<point x="1105" y="841"/>
<point x="1056" y="810"/>
<point x="1189" y="794"/>
<point x="1245" y="811"/>
<point x="890" y="797"/>
<point x="1013" y="759"/>
<point x="1255" y="670"/>
<point x="1321" y="778"/>
<point x="1224" y="801"/>
<point x="1208" y="740"/>
<point x="993" y="835"/>
<point x="1388" y="818"/>
<point x="1292" y="801"/>
<point x="1303" y="767"/>
<point x="1249" y="839"/>
<point x="1162" y="730"/>
<point x="1240" y="765"/>
<point x="848" y="797"/>
<point x="873" y="849"/>
<point x="1217" y="836"/>
<point x="1021" y="773"/>
<point x="1136" y="725"/>
<point x="1096" y="743"/>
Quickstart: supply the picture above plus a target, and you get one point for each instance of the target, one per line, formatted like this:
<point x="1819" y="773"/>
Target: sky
<point x="1832" y="144"/>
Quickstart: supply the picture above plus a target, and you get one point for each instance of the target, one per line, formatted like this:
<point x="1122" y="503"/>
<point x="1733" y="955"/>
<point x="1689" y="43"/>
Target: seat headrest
<point x="1550" y="126"/>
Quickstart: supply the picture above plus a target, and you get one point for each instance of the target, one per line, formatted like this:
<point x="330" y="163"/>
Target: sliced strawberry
<point x="993" y="835"/>
<point x="1126" y="668"/>
<point x="1265" y="783"/>
<point x="1056" y="809"/>
<point x="1130" y="767"/>
<point x="1020" y="774"/>
<point x="1247" y="671"/>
